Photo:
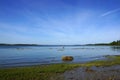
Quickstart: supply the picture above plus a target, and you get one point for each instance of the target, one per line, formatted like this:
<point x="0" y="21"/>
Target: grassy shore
<point x="51" y="72"/>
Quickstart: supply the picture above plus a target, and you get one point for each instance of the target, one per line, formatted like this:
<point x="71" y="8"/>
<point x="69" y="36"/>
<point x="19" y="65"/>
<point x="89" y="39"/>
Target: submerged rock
<point x="67" y="58"/>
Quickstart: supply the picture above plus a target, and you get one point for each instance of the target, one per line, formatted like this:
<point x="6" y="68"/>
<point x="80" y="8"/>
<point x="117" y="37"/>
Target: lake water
<point x="11" y="56"/>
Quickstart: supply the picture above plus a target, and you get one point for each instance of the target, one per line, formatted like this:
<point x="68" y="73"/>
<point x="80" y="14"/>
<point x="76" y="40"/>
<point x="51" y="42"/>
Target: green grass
<point x="110" y="60"/>
<point x="50" y="72"/>
<point x="35" y="73"/>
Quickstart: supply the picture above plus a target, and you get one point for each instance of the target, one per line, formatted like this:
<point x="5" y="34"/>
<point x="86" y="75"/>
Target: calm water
<point x="11" y="56"/>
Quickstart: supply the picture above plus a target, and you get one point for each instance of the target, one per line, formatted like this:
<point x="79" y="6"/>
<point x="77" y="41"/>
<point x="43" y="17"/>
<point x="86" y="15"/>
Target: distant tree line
<point x="2" y="44"/>
<point x="115" y="42"/>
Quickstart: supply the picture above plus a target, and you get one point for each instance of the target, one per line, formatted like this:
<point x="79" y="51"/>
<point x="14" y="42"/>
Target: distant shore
<point x="114" y="43"/>
<point x="57" y="45"/>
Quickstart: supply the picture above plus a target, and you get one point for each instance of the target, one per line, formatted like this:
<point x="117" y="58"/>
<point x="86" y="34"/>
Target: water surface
<point x="11" y="56"/>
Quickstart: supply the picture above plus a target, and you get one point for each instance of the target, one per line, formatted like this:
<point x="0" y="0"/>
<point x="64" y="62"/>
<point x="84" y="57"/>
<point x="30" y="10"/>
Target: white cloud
<point x="111" y="12"/>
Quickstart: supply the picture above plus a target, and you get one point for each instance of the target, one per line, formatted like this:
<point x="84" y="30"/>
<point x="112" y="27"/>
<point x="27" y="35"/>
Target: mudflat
<point x="93" y="73"/>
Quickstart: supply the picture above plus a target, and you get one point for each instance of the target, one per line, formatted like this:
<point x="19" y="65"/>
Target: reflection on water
<point x="35" y="55"/>
<point x="115" y="48"/>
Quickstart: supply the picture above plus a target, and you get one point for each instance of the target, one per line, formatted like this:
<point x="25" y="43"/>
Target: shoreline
<point x="58" y="71"/>
<point x="17" y="65"/>
<point x="46" y="64"/>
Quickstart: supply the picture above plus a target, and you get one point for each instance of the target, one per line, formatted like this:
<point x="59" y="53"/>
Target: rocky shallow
<point x="93" y="73"/>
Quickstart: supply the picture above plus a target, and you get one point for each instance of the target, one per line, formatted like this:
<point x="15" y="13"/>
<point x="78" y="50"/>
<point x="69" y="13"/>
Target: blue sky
<point x="59" y="21"/>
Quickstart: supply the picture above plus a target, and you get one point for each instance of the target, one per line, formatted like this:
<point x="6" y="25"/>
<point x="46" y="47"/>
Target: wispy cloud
<point x="110" y="12"/>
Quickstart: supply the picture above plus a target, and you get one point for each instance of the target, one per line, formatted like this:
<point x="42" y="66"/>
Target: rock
<point x="67" y="58"/>
<point x="89" y="70"/>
